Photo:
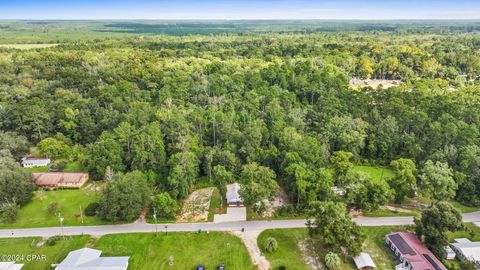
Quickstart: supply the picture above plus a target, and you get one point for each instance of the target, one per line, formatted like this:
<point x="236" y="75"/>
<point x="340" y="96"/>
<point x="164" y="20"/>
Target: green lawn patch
<point x="149" y="251"/>
<point x="36" y="214"/>
<point x="377" y="173"/>
<point x="389" y="213"/>
<point x="36" y="169"/>
<point x="216" y="205"/>
<point x="463" y="208"/>
<point x="24" y="248"/>
<point x="74" y="166"/>
<point x="471" y="232"/>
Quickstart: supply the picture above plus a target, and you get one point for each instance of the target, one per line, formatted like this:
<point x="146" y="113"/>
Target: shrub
<point x="271" y="244"/>
<point x="53" y="240"/>
<point x="282" y="268"/>
<point x="332" y="260"/>
<point x="53" y="207"/>
<point x="165" y="205"/>
<point x="8" y="212"/>
<point x="91" y="209"/>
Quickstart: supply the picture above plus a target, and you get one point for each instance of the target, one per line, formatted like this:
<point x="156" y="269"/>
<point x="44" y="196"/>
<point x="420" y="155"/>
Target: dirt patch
<point x="196" y="206"/>
<point x="307" y="248"/>
<point x="271" y="206"/>
<point x="374" y="83"/>
<point x="249" y="238"/>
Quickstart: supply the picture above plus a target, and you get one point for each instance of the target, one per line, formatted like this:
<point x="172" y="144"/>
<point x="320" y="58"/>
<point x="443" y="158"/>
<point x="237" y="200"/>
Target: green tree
<point x="367" y="194"/>
<point x="15" y="185"/>
<point x="222" y="177"/>
<point x="124" y="197"/>
<point x="337" y="230"/>
<point x="341" y="164"/>
<point x="257" y="183"/>
<point x="182" y="174"/>
<point x="434" y="224"/>
<point x="165" y="205"/>
<point x="105" y="152"/>
<point x="437" y="181"/>
<point x="404" y="182"/>
<point x="53" y="148"/>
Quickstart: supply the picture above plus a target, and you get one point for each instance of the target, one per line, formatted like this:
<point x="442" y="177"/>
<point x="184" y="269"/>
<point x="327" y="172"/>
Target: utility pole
<point x="166" y="229"/>
<point x="61" y="225"/>
<point x="155" y="218"/>
<point x="81" y="213"/>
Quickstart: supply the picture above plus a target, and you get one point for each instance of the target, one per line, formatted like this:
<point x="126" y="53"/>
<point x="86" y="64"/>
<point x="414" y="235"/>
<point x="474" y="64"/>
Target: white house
<point x="88" y="259"/>
<point x="10" y="266"/>
<point x="30" y="162"/>
<point x="233" y="195"/>
<point x="467" y="250"/>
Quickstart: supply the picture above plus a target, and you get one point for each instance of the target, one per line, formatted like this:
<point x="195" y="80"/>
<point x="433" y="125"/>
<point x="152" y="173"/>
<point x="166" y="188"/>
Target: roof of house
<point x="364" y="260"/>
<point x="89" y="259"/>
<point x="233" y="194"/>
<point x="10" y="266"/>
<point x="419" y="256"/>
<point x="469" y="249"/>
<point x="57" y="178"/>
<point x="34" y="159"/>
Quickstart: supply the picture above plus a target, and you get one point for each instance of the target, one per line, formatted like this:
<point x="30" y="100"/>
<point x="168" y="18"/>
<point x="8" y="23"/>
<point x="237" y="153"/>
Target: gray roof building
<point x="89" y="259"/>
<point x="233" y="195"/>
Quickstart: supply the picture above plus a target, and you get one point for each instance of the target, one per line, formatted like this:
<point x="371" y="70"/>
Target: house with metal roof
<point x="233" y="195"/>
<point x="411" y="252"/>
<point x="10" y="266"/>
<point x="467" y="250"/>
<point x="364" y="262"/>
<point x="60" y="179"/>
<point x="89" y="259"/>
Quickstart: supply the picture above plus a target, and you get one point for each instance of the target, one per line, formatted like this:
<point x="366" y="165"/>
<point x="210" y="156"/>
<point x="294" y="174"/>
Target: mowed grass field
<point x="36" y="214"/>
<point x="149" y="251"/>
<point x="376" y="173"/>
<point x="26" y="248"/>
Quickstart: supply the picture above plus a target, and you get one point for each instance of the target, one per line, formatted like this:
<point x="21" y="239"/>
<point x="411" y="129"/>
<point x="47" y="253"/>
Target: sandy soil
<point x="195" y="207"/>
<point x="375" y="84"/>
<point x="249" y="238"/>
<point x="281" y="199"/>
<point x="309" y="256"/>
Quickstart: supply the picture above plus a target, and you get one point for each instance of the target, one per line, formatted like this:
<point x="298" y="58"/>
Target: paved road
<point x="189" y="227"/>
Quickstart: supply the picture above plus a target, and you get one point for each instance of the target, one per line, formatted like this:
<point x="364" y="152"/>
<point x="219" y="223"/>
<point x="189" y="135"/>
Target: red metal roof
<point x="59" y="179"/>
<point x="417" y="254"/>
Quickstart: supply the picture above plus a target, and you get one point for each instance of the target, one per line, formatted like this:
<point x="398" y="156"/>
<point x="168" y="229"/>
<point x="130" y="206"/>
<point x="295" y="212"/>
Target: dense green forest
<point x="267" y="109"/>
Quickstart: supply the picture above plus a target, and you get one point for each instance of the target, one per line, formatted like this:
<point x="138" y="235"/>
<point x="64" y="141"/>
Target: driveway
<point x="233" y="214"/>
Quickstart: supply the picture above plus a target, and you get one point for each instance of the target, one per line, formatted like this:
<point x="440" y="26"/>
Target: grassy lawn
<point x="472" y="232"/>
<point x="36" y="214"/>
<point x="36" y="169"/>
<point x="377" y="173"/>
<point x="74" y="166"/>
<point x="389" y="213"/>
<point x="148" y="251"/>
<point x="463" y="208"/>
<point x="24" y="248"/>
<point x="215" y="205"/>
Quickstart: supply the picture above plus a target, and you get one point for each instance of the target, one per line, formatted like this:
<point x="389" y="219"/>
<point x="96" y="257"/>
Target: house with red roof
<point x="60" y="179"/>
<point x="412" y="253"/>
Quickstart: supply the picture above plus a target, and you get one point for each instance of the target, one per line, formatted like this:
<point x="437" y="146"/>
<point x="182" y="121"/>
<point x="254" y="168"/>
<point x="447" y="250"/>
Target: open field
<point x="24" y="248"/>
<point x="36" y="214"/>
<point x="148" y="251"/>
<point x="377" y="173"/>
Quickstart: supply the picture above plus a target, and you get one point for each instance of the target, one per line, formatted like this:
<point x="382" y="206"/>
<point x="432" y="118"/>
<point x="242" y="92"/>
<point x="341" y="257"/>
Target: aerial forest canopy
<point x="271" y="109"/>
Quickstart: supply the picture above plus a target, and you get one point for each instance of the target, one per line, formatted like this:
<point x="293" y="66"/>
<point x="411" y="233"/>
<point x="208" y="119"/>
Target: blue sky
<point x="240" y="9"/>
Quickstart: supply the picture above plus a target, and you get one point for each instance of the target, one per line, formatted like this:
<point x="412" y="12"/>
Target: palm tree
<point x="332" y="260"/>
<point x="271" y="244"/>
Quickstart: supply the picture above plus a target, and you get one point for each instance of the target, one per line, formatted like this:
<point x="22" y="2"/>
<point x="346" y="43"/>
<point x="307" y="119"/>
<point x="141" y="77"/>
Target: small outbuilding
<point x="30" y="162"/>
<point x="467" y="250"/>
<point x="364" y="262"/>
<point x="10" y="266"/>
<point x="233" y="195"/>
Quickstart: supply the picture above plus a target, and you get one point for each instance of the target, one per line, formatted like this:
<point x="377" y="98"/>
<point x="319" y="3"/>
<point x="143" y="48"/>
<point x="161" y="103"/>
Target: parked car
<point x="221" y="267"/>
<point x="201" y="267"/>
